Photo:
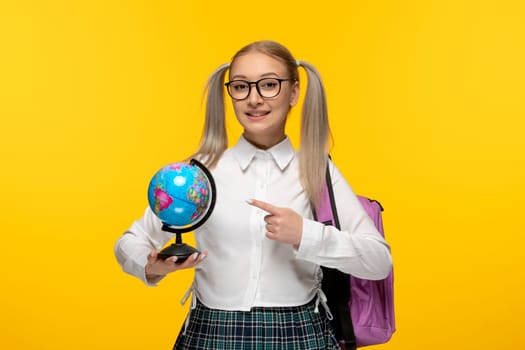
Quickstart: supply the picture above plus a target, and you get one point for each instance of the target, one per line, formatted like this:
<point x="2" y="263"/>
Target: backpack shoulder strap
<point x="336" y="284"/>
<point x="327" y="211"/>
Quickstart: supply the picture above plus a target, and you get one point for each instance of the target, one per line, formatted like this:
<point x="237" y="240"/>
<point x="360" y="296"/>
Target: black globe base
<point x="181" y="250"/>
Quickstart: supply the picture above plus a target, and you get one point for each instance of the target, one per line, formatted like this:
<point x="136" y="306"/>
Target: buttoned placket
<point x="262" y="164"/>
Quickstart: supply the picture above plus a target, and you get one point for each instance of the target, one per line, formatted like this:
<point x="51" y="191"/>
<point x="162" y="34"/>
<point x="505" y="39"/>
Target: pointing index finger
<point x="263" y="205"/>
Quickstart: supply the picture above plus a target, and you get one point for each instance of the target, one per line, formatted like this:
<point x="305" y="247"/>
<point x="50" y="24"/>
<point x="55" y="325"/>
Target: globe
<point x="182" y="195"/>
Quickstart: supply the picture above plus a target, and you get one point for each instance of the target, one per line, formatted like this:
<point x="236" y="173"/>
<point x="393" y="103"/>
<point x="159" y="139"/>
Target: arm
<point x="357" y="249"/>
<point x="134" y="246"/>
<point x="136" y="251"/>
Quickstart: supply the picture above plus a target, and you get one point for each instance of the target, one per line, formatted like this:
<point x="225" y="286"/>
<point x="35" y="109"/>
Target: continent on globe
<point x="162" y="200"/>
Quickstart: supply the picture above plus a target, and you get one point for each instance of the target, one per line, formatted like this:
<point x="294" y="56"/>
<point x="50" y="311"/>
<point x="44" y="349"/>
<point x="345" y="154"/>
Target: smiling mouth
<point x="256" y="115"/>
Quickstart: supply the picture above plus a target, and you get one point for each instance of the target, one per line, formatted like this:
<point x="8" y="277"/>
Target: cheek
<point x="239" y="115"/>
<point x="284" y="105"/>
<point x="236" y="108"/>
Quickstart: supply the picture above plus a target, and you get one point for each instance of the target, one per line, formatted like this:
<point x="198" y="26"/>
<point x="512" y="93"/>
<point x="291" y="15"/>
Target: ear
<point x="294" y="96"/>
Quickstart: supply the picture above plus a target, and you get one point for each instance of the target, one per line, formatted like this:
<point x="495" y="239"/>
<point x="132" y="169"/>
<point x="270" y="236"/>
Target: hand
<point x="159" y="267"/>
<point x="282" y="224"/>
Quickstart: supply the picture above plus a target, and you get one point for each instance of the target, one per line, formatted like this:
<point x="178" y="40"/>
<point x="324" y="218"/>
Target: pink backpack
<point x="363" y="310"/>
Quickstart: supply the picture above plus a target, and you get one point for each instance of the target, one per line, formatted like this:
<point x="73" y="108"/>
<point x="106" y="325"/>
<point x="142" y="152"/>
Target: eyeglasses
<point x="266" y="87"/>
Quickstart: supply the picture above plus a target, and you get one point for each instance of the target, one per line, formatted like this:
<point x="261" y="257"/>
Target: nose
<point x="254" y="98"/>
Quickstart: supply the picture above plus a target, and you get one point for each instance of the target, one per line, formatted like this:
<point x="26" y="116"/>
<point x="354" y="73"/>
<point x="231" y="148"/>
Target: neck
<point x="262" y="143"/>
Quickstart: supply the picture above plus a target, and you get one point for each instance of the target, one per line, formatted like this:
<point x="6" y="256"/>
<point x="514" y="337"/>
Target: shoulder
<point x="335" y="173"/>
<point x="226" y="161"/>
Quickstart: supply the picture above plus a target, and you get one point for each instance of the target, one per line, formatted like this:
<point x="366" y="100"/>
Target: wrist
<point x="149" y="273"/>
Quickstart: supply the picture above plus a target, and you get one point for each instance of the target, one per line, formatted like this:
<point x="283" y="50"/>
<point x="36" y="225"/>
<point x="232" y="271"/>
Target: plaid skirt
<point x="262" y="328"/>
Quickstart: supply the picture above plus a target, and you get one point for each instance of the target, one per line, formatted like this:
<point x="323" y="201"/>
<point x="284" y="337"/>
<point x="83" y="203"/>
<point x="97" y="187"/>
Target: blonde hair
<point x="315" y="130"/>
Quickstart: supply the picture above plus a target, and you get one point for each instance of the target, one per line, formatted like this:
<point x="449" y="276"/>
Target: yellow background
<point x="427" y="107"/>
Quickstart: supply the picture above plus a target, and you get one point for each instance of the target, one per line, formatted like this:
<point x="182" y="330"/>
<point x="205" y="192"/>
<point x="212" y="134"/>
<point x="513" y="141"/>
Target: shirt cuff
<point x="310" y="240"/>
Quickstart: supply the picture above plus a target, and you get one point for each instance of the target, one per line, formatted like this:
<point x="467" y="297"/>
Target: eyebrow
<point x="240" y="76"/>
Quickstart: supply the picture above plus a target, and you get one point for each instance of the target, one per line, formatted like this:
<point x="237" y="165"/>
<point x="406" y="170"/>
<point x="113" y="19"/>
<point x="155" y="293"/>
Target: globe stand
<point x="181" y="250"/>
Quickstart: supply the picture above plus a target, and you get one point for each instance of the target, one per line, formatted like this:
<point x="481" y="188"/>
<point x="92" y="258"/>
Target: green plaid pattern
<point x="263" y="328"/>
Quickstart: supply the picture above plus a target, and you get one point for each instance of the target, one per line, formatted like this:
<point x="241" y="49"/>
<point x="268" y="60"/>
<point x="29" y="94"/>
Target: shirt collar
<point x="282" y="153"/>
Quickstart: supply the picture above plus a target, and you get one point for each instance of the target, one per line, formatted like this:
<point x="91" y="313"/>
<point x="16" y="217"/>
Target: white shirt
<point x="244" y="268"/>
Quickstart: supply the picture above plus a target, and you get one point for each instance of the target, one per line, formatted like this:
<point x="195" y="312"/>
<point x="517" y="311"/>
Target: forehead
<point x="256" y="65"/>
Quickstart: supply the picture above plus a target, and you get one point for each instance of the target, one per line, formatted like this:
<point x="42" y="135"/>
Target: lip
<point x="256" y="114"/>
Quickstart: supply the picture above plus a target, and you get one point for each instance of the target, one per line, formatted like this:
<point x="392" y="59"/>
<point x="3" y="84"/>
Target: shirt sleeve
<point x="133" y="247"/>
<point x="357" y="249"/>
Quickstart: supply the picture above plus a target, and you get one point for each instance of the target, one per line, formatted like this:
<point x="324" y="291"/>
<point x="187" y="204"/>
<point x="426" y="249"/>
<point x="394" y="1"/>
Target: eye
<point x="269" y="84"/>
<point x="239" y="86"/>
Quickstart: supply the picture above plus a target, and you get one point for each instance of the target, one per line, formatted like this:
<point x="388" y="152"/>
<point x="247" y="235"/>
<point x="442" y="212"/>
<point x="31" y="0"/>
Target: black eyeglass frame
<point x="256" y="83"/>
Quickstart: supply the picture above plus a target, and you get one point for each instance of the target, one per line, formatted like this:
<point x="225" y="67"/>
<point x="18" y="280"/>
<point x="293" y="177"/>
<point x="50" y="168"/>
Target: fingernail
<point x="174" y="259"/>
<point x="195" y="256"/>
<point x="249" y="201"/>
<point x="203" y="257"/>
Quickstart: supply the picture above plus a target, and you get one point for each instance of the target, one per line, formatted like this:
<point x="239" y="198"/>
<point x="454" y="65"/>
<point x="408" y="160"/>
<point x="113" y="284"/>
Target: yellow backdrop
<point x="427" y="107"/>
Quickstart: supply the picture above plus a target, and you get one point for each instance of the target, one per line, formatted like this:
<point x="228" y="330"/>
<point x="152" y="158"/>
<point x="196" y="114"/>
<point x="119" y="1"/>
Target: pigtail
<point x="315" y="131"/>
<point x="214" y="140"/>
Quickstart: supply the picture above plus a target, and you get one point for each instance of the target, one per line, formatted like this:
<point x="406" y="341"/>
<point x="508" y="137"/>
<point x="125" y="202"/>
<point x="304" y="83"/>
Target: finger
<point x="271" y="235"/>
<point x="193" y="260"/>
<point x="202" y="256"/>
<point x="152" y="256"/>
<point x="264" y="206"/>
<point x="196" y="258"/>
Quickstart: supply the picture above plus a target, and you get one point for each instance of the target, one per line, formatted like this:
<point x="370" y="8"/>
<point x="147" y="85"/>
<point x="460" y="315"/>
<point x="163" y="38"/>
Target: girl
<point x="259" y="287"/>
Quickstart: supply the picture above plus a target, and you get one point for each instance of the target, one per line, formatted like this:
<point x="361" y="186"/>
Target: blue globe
<point x="181" y="194"/>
